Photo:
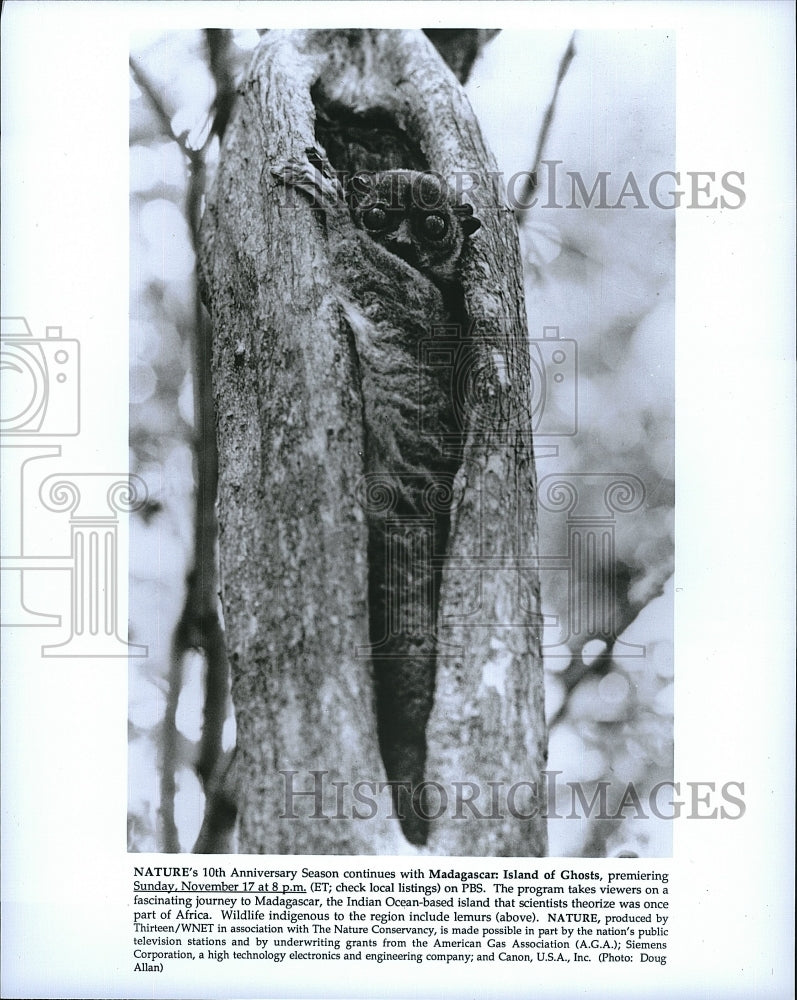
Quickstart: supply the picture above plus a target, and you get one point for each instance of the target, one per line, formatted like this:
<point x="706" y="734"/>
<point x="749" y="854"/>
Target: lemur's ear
<point x="467" y="220"/>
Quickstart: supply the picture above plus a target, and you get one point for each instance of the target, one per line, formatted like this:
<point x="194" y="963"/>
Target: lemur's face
<point x="412" y="215"/>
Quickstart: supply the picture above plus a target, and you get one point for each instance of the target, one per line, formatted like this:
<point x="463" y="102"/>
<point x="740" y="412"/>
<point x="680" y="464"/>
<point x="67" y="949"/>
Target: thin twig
<point x="148" y="87"/>
<point x="530" y="185"/>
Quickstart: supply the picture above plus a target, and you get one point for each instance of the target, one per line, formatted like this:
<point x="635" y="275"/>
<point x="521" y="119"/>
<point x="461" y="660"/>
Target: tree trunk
<point x="293" y="537"/>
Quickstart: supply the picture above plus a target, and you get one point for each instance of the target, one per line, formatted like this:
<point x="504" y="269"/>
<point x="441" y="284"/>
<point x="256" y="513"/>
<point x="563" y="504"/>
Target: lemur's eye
<point x="375" y="219"/>
<point x="434" y="226"/>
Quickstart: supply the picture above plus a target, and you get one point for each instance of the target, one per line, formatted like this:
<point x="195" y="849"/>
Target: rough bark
<point x="289" y="426"/>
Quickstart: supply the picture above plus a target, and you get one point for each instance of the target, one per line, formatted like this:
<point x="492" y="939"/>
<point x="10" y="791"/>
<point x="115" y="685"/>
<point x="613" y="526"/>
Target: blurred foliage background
<point x="603" y="276"/>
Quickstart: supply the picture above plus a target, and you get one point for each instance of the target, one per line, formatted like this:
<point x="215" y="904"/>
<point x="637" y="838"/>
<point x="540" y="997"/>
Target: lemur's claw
<point x="314" y="176"/>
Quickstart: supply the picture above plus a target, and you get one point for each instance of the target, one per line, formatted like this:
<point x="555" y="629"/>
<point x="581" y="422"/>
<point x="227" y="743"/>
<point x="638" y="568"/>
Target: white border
<point x="65" y="261"/>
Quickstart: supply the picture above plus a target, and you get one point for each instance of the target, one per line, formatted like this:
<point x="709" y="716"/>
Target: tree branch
<point x="530" y="183"/>
<point x="289" y="420"/>
<point x="460" y="47"/>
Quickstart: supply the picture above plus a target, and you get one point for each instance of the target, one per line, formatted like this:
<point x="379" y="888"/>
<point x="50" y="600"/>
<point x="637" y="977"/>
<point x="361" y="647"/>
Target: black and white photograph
<point x="397" y="441"/>
<point x="434" y="392"/>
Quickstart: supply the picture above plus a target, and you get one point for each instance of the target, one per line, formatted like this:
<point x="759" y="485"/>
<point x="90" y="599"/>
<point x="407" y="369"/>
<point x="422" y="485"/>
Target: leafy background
<point x="604" y="277"/>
